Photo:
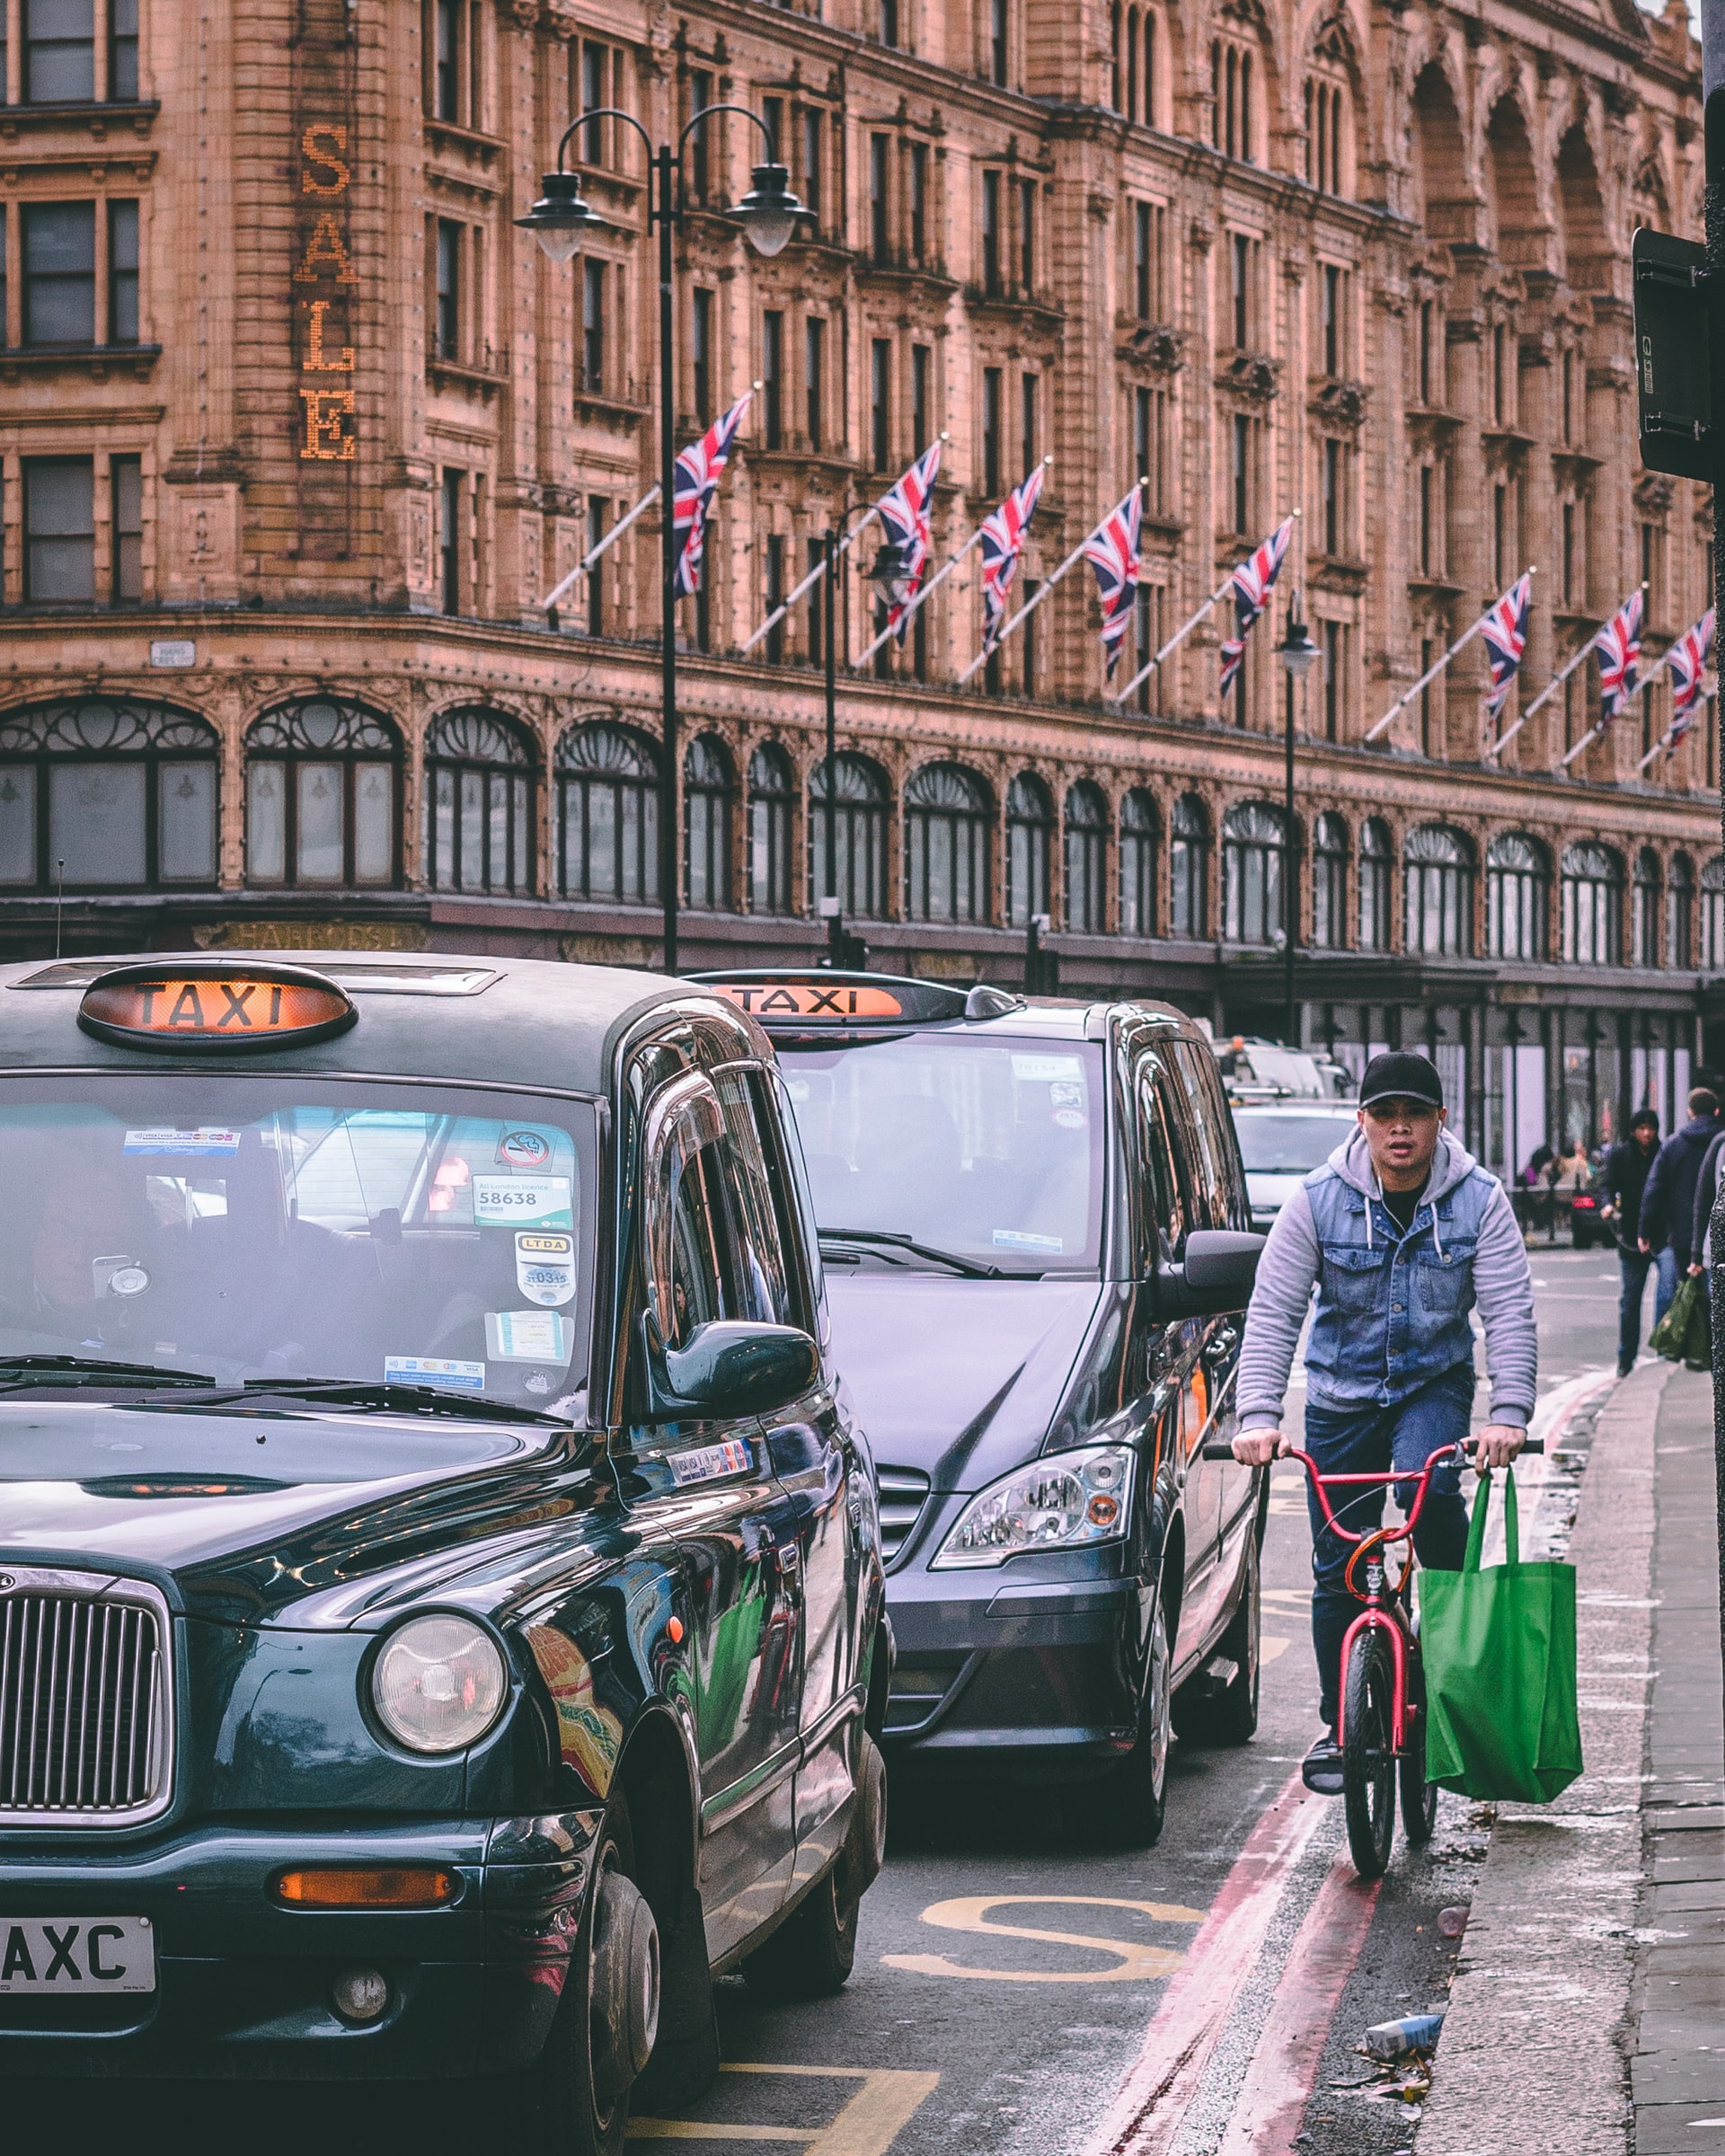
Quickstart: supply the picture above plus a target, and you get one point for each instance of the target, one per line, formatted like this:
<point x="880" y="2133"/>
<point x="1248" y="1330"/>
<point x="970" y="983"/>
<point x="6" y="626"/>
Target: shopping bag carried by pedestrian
<point x="1498" y="1649"/>
<point x="1681" y="1335"/>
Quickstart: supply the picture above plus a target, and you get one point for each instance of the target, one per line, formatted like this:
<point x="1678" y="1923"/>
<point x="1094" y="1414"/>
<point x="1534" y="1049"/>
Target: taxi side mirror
<point x="728" y="1368"/>
<point x="1216" y="1274"/>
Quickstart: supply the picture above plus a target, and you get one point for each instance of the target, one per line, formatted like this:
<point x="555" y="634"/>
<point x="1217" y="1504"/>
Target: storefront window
<point x="1330" y="884"/>
<point x="1517" y="896"/>
<point x="1437" y="870"/>
<point x="106" y="794"/>
<point x="1252" y="847"/>
<point x="1189" y="869"/>
<point x="1593" y="906"/>
<point x="479" y="795"/>
<point x="772" y="791"/>
<point x="1377" y="857"/>
<point x="322" y="783"/>
<point x="707" y="793"/>
<point x="862" y="802"/>
<point x="607" y="814"/>
<point x="1086" y="853"/>
<point x="1029" y="843"/>
<point x="1713" y="915"/>
<point x="1644" y="921"/>
<point x="1680" y="914"/>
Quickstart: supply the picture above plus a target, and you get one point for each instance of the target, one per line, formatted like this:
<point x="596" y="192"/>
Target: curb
<point x="1537" y="2041"/>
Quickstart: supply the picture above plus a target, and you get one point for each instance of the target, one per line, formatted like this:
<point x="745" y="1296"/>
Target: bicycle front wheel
<point x="1367" y="1758"/>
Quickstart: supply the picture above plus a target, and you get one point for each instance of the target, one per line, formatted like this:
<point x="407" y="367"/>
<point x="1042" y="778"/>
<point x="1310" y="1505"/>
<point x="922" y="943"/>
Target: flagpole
<point x="1048" y="585"/>
<point x="945" y="571"/>
<point x="1551" y="688"/>
<point x="1180" y="634"/>
<point x="609" y="540"/>
<point x="814" y="577"/>
<point x="1665" y="739"/>
<point x="1432" y="672"/>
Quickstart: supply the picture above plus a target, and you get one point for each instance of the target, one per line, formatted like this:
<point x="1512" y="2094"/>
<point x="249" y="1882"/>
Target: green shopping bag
<point x="1680" y="1336"/>
<point x="1498" y="1648"/>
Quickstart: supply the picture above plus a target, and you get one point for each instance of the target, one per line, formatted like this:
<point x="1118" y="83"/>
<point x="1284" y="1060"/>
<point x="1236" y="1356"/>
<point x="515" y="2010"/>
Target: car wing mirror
<point x="1215" y="1274"/>
<point x="730" y="1368"/>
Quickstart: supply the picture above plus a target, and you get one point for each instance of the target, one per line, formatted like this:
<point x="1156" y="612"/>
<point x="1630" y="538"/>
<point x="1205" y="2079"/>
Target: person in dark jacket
<point x="1624" y="1182"/>
<point x="1668" y="1201"/>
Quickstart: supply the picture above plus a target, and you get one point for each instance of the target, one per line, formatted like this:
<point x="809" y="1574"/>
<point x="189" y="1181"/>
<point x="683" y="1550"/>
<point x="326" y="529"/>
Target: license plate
<point x="75" y="1957"/>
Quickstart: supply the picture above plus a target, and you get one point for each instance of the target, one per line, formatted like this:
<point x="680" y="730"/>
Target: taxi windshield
<point x="249" y="1227"/>
<point x="1281" y="1144"/>
<point x="988" y="1148"/>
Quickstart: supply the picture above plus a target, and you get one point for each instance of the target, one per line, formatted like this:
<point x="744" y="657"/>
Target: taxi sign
<point x="787" y="999"/>
<point x="836" y="1000"/>
<point x="205" y="1005"/>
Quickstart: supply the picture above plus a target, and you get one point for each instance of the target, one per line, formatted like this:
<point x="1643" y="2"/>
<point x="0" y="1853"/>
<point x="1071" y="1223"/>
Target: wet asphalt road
<point x="967" y="2028"/>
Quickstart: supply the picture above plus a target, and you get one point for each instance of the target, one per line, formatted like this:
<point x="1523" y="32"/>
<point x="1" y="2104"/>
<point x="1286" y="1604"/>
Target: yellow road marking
<point x="868" y="2125"/>
<point x="1132" y="1963"/>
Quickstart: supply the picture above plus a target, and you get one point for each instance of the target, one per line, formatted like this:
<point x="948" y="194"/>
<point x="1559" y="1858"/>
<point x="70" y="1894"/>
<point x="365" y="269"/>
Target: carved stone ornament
<point x="1160" y="349"/>
<point x="1653" y="494"/>
<point x="1253" y="376"/>
<point x="1343" y="403"/>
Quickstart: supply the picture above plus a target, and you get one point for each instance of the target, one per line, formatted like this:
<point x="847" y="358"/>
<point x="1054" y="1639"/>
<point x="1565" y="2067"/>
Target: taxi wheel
<point x="812" y="1953"/>
<point x="1134" y="1796"/>
<point x="575" y="2099"/>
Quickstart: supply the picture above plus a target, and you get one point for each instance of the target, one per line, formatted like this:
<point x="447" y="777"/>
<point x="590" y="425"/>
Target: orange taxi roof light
<point x="188" y="1004"/>
<point x="835" y="1000"/>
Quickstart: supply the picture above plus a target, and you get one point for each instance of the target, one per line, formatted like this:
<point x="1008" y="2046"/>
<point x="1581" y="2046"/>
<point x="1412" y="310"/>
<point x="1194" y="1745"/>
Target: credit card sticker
<point x="206" y="1142"/>
<point x="527" y="1336"/>
<point x="540" y="1201"/>
<point x="545" y="1268"/>
<point x="434" y="1370"/>
<point x="708" y="1463"/>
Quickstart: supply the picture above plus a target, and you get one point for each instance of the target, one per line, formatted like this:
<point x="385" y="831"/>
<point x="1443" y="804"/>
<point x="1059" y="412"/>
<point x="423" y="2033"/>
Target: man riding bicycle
<point x="1401" y="1233"/>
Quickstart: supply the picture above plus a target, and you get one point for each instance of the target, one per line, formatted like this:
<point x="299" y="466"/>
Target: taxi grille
<point x="904" y="1491"/>
<point x="86" y="1733"/>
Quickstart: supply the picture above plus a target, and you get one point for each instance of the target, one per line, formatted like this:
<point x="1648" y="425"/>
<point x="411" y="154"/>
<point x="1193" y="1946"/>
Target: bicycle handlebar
<point x="1225" y="1451"/>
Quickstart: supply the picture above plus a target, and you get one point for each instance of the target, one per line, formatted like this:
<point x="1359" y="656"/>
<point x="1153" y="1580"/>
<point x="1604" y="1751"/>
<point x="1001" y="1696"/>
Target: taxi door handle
<point x="787" y="1559"/>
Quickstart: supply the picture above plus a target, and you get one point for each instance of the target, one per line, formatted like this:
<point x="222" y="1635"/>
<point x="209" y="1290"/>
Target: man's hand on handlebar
<point x="1257" y="1448"/>
<point x="1499" y="1442"/>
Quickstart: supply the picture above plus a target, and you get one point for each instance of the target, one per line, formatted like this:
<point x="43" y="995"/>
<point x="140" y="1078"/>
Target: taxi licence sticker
<point x="708" y="1463"/>
<point x="1044" y="1070"/>
<point x="202" y="1141"/>
<point x="544" y="1268"/>
<point x="434" y="1370"/>
<point x="1021" y="1238"/>
<point x="523" y="1149"/>
<point x="540" y="1201"/>
<point x="527" y="1336"/>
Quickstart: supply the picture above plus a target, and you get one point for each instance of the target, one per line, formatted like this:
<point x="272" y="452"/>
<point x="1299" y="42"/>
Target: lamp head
<point x="893" y="573"/>
<point x="769" y="211"/>
<point x="1296" y="651"/>
<point x="562" y="219"/>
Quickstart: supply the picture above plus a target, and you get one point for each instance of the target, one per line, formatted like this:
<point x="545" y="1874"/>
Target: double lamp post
<point x="560" y="220"/>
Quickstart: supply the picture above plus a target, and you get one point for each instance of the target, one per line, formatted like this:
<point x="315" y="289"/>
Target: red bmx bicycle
<point x="1382" y="1729"/>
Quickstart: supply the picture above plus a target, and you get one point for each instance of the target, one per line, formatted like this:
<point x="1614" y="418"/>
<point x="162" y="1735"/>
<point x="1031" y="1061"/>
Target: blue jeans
<point x="1370" y="1440"/>
<point x="1666" y="1286"/>
<point x="1636" y="1265"/>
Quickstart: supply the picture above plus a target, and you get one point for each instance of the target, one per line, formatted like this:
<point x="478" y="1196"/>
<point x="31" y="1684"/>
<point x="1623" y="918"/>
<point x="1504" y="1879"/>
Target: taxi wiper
<point x="20" y="1370"/>
<point x="969" y="1267"/>
<point x="362" y="1393"/>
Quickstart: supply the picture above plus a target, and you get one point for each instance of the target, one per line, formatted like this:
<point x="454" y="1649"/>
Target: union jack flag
<point x="903" y="509"/>
<point x="1505" y="631"/>
<point x="1112" y="552"/>
<point x="698" y="470"/>
<point x="1254" y="582"/>
<point x="1619" y="646"/>
<point x="1687" y="659"/>
<point x="1003" y="532"/>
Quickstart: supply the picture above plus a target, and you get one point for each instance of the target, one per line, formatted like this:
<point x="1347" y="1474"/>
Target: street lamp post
<point x="560" y="220"/>
<point x="1298" y="655"/>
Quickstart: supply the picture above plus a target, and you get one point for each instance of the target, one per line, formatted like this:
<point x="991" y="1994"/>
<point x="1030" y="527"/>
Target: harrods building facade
<point x="298" y="430"/>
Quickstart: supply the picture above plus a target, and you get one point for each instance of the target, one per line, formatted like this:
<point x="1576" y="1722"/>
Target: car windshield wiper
<point x="20" y="1370"/>
<point x="362" y="1393"/>
<point x="971" y="1268"/>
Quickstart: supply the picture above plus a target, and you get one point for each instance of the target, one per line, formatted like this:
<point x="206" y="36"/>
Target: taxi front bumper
<point x="243" y="1984"/>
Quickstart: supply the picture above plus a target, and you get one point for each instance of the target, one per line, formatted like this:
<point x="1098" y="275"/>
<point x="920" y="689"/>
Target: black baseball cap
<point x="1402" y="1075"/>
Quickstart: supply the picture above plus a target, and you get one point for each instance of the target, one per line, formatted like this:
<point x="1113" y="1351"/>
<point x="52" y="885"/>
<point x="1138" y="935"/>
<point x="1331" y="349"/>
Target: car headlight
<point x="1067" y="1501"/>
<point x="438" y="1683"/>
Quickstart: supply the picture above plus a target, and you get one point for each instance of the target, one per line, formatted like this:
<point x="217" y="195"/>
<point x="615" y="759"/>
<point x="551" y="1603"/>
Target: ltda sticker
<point x="544" y="1268"/>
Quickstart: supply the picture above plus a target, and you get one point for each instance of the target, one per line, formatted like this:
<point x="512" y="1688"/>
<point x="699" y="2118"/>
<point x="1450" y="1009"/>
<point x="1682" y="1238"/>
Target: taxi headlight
<point x="1067" y="1501"/>
<point x="438" y="1683"/>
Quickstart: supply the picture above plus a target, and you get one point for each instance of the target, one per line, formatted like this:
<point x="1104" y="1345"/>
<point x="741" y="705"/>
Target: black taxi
<point x="1038" y="1246"/>
<point x="441" y="1612"/>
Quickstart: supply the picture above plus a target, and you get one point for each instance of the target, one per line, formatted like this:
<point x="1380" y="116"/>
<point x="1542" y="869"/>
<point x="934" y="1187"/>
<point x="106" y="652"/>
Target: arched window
<point x="1437" y="892"/>
<point x="1138" y="863"/>
<point x="771" y="790"/>
<point x="1189" y="869"/>
<point x="1252" y="847"/>
<point x="947" y="823"/>
<point x="1593" y="906"/>
<point x="323" y="784"/>
<point x="1329" y="113"/>
<point x="607" y="814"/>
<point x="1376" y="859"/>
<point x="479" y="803"/>
<point x="1132" y="62"/>
<point x="1713" y="915"/>
<point x="1030" y="827"/>
<point x="1644" y="910"/>
<point x="121" y="791"/>
<point x="1330" y="884"/>
<point x="1517" y="898"/>
<point x="1231" y="115"/>
<point x="860" y="805"/>
<point x="706" y="825"/>
<point x="1680" y="914"/>
<point x="1115" y="101"/>
<point x="1087" y="853"/>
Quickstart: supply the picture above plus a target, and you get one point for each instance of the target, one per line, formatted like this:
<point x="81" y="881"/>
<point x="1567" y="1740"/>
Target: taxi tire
<point x="1132" y="1799"/>
<point x="812" y="1953"/>
<point x="575" y="2101"/>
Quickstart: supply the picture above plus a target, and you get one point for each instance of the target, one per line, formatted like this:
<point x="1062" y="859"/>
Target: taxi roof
<point x="532" y="1022"/>
<point x="929" y="1006"/>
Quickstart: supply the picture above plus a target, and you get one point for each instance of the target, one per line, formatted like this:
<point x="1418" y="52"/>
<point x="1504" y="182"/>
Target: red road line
<point x="1284" y="2068"/>
<point x="1158" y="2089"/>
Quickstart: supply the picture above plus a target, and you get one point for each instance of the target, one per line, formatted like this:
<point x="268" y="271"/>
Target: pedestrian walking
<point x="1701" y="1239"/>
<point x="1624" y="1180"/>
<point x="1401" y="1233"/>
<point x="1668" y="1201"/>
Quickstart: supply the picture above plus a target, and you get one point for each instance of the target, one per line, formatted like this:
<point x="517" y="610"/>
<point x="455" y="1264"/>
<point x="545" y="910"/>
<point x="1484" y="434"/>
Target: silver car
<point x="1281" y="1143"/>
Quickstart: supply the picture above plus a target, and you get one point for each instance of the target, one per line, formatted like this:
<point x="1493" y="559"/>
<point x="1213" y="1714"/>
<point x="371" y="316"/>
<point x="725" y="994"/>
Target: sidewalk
<point x="1587" y="2014"/>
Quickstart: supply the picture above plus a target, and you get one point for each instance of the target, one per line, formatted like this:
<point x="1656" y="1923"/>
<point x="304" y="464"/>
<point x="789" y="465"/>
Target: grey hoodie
<point x="1288" y="1273"/>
